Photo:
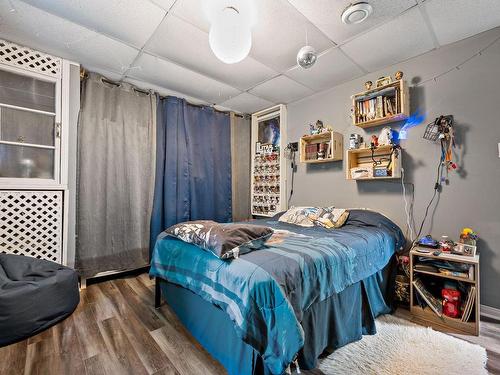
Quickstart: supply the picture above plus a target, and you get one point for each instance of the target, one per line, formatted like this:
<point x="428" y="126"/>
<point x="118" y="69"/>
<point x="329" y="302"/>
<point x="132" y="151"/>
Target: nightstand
<point x="426" y="316"/>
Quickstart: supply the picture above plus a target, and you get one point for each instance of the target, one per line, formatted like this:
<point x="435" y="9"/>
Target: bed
<point x="309" y="291"/>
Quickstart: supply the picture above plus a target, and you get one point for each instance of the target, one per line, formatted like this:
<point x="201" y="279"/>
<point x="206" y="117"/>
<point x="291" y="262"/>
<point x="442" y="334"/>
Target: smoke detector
<point x="356" y="13"/>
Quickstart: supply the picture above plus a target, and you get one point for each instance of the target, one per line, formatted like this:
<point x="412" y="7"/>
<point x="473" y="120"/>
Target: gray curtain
<point x="116" y="156"/>
<point x="241" y="132"/>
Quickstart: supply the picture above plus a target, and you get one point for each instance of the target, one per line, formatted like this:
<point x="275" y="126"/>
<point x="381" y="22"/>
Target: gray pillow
<point x="223" y="240"/>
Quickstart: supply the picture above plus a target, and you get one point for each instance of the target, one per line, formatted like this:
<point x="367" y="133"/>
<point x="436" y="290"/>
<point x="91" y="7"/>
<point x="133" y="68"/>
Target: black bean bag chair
<point x="34" y="295"/>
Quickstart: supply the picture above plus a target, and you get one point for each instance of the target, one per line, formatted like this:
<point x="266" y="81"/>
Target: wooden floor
<point x="116" y="330"/>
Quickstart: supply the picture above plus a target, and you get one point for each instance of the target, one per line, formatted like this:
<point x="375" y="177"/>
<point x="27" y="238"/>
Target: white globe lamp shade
<point x="230" y="39"/>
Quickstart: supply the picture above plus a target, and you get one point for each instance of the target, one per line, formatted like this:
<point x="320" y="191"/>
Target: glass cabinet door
<point x="29" y="133"/>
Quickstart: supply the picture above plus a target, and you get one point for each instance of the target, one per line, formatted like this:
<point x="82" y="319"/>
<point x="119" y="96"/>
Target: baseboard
<point x="490" y="312"/>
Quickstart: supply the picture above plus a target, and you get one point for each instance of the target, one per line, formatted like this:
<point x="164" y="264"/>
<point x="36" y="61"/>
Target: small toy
<point x="398" y="75"/>
<point x="368" y="85"/>
<point x="355" y="141"/>
<point x="385" y="136"/>
<point x="316" y="128"/>
<point x="374" y="142"/>
<point x="468" y="237"/>
<point x="428" y="241"/>
<point x="451" y="302"/>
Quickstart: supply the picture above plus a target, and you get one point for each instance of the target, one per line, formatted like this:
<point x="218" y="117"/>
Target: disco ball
<point x="306" y="57"/>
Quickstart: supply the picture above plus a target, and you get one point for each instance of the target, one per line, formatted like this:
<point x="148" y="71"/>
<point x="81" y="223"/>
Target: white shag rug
<point x="401" y="347"/>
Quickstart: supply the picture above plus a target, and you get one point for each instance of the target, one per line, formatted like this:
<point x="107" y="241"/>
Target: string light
<point x="457" y="67"/>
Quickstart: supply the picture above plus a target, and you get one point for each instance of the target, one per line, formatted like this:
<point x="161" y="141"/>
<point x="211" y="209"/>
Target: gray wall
<point x="472" y="198"/>
<point x="240" y="166"/>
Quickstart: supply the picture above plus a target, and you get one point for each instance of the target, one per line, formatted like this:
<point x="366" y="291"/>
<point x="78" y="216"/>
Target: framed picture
<point x="464" y="249"/>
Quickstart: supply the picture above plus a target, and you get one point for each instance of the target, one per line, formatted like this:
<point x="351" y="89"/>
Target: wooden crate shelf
<point x="362" y="158"/>
<point x="426" y="316"/>
<point x="335" y="152"/>
<point x="397" y="89"/>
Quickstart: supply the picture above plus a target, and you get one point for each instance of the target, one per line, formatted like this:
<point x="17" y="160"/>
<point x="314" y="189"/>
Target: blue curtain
<point x="193" y="165"/>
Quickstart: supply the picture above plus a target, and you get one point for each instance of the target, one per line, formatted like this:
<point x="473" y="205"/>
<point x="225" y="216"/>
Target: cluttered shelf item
<point x="444" y="285"/>
<point x="268" y="161"/>
<point x="387" y="102"/>
<point x="378" y="161"/>
<point x="321" y="146"/>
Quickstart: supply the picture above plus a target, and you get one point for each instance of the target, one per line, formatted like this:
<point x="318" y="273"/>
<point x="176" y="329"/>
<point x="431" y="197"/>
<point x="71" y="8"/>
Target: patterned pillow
<point x="303" y="216"/>
<point x="327" y="217"/>
<point x="223" y="240"/>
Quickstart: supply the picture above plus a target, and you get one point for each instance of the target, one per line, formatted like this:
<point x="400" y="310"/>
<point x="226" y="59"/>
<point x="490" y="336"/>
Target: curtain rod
<point x="84" y="75"/>
<point x="203" y="105"/>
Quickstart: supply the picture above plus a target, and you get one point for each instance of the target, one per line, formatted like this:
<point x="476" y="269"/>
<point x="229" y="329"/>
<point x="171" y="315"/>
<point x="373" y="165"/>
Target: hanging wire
<point x="458" y="66"/>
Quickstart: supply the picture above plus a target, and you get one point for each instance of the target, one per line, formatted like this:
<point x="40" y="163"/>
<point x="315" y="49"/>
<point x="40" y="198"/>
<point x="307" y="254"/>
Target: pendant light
<point x="230" y="35"/>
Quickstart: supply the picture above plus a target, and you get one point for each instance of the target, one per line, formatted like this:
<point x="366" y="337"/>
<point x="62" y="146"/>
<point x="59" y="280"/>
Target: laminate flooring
<point x="116" y="330"/>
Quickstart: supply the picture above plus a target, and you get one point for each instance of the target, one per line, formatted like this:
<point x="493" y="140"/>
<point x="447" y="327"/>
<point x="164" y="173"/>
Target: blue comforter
<point x="266" y="292"/>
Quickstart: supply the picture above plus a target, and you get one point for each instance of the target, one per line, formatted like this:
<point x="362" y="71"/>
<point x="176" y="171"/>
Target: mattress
<point x="266" y="292"/>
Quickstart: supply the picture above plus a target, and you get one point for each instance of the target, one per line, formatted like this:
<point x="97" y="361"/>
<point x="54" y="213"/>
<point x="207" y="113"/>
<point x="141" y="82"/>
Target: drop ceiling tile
<point x="192" y="12"/>
<point x="326" y="15"/>
<point x="404" y="37"/>
<point x="132" y="21"/>
<point x="175" y="77"/>
<point x="187" y="45"/>
<point x="35" y="28"/>
<point x="165" y="4"/>
<point x="453" y="20"/>
<point x="247" y="103"/>
<point x="276" y="38"/>
<point x="281" y="90"/>
<point x="332" y="68"/>
<point x="280" y="32"/>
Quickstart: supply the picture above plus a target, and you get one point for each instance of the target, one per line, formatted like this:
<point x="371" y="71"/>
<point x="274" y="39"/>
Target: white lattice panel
<point x="29" y="59"/>
<point x="31" y="223"/>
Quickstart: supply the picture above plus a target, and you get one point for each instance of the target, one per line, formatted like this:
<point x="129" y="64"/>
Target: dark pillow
<point x="223" y="240"/>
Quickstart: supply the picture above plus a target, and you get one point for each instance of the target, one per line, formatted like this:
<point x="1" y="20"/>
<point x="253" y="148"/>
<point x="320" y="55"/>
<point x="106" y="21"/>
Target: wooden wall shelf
<point x="362" y="158"/>
<point x="394" y="95"/>
<point x="334" y="151"/>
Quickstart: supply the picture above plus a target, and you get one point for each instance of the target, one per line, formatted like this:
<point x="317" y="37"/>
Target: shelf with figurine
<point x="444" y="284"/>
<point x="321" y="145"/>
<point x="388" y="101"/>
<point x="381" y="159"/>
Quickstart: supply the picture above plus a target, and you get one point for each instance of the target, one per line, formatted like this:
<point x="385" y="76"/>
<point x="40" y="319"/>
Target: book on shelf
<point x="469" y="304"/>
<point x="377" y="107"/>
<point x="447" y="272"/>
<point x="312" y="151"/>
<point x="434" y="303"/>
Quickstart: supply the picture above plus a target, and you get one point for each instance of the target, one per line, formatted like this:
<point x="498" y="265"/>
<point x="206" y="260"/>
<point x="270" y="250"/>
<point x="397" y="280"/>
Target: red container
<point x="451" y="302"/>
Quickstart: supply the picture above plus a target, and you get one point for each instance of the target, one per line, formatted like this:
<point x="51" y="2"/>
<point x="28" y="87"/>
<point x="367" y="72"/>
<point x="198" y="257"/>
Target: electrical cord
<point x="437" y="185"/>
<point x="408" y="224"/>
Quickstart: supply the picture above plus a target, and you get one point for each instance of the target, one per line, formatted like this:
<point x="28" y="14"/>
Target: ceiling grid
<point x="164" y="43"/>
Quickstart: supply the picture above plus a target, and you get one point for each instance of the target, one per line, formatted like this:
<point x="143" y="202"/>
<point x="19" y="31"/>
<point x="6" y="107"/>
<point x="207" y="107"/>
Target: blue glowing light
<point x="415" y="119"/>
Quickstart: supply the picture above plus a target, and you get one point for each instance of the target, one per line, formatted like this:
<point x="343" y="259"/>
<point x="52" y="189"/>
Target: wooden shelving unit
<point x="362" y="158"/>
<point x="335" y="149"/>
<point x="426" y="316"/>
<point x="398" y="92"/>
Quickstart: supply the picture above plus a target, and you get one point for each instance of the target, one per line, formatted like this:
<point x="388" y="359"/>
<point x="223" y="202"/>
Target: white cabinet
<point x="268" y="185"/>
<point x="34" y="90"/>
